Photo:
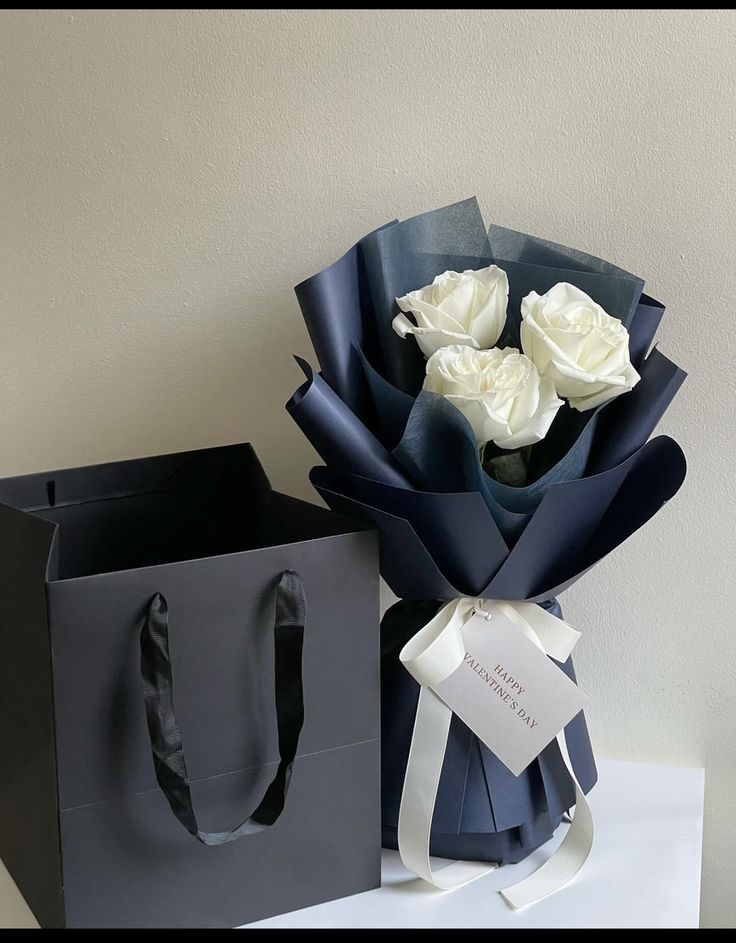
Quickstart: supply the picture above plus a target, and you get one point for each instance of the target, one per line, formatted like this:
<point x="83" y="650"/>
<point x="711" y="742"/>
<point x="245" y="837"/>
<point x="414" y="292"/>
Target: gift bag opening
<point x="166" y="509"/>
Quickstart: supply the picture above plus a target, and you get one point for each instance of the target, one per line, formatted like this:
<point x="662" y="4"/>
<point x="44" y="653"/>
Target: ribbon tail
<point x="423" y="769"/>
<point x="569" y="858"/>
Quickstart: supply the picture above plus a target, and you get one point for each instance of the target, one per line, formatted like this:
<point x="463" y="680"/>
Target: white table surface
<point x="644" y="871"/>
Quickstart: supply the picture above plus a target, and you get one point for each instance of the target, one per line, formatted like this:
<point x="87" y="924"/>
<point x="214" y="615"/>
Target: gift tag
<point x="510" y="694"/>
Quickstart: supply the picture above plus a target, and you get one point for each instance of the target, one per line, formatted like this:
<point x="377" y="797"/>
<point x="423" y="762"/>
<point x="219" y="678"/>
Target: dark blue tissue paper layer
<point x="408" y="255"/>
<point x="336" y="432"/>
<point x="576" y="524"/>
<point x="339" y="315"/>
<point x="437" y="452"/>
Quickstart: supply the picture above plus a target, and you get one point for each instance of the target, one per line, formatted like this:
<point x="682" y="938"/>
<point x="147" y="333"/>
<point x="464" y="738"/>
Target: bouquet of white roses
<point x="486" y="400"/>
<point x="572" y="348"/>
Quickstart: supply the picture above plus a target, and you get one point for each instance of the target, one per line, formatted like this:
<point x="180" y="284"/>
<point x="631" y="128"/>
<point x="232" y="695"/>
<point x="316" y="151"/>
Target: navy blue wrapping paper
<point x="407" y="461"/>
<point x="337" y="433"/>
<point x="480" y="805"/>
<point x="338" y="312"/>
<point x="576" y="525"/>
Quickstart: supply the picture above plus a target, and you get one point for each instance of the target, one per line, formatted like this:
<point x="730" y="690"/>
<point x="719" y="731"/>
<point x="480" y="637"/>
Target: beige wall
<point x="165" y="178"/>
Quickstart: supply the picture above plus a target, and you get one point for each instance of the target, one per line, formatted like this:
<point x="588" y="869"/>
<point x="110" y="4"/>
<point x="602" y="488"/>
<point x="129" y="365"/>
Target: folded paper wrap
<point x="407" y="461"/>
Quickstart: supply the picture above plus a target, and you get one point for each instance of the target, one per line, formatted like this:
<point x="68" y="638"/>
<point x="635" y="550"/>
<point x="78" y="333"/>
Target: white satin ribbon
<point x="430" y="656"/>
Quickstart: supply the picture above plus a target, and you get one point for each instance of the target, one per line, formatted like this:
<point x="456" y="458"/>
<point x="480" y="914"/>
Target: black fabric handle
<point x="166" y="744"/>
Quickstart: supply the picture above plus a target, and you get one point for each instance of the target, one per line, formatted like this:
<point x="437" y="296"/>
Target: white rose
<point x="572" y="341"/>
<point x="466" y="308"/>
<point x="499" y="392"/>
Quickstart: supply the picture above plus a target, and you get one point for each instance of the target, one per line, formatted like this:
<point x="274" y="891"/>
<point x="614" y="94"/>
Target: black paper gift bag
<point x="179" y="745"/>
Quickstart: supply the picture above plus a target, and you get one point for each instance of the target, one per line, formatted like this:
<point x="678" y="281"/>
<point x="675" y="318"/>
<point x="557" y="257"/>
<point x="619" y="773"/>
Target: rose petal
<point x="429" y="315"/>
<point x="602" y="393"/>
<point x="487" y="426"/>
<point x="461" y="302"/>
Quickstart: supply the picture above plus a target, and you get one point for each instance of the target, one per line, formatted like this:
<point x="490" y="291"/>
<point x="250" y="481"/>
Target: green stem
<point x="509" y="468"/>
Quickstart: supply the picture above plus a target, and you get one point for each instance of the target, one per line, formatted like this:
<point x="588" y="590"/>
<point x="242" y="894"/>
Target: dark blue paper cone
<point x="483" y="812"/>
